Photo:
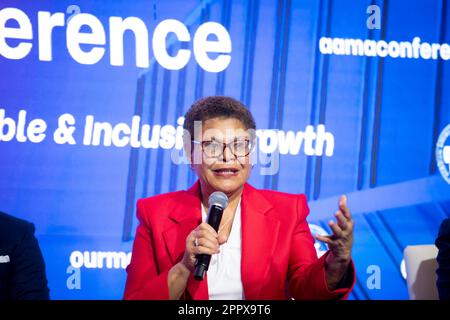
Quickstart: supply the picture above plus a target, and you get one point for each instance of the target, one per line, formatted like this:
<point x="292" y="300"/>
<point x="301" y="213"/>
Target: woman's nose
<point x="227" y="155"/>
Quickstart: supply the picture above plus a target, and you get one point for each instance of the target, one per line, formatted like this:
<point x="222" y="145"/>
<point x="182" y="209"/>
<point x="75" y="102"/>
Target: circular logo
<point x="443" y="153"/>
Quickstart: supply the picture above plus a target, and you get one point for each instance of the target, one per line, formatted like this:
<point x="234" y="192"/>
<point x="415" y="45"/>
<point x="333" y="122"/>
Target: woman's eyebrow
<point x="238" y="138"/>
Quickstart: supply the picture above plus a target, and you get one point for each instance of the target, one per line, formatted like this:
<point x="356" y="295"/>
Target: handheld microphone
<point x="217" y="202"/>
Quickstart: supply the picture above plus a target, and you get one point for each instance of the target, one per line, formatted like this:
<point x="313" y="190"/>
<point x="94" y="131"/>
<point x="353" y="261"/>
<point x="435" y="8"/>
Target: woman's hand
<point x="340" y="244"/>
<point x="203" y="239"/>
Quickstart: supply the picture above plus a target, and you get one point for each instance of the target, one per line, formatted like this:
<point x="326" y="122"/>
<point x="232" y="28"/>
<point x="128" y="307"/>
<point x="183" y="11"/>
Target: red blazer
<point x="277" y="247"/>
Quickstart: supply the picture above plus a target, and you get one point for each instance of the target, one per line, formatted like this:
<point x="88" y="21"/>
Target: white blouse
<point x="224" y="272"/>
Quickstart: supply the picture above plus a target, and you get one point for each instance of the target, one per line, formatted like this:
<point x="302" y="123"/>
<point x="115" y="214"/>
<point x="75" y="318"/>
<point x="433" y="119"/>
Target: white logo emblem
<point x="443" y="153"/>
<point x="321" y="248"/>
<point x="4" y="259"/>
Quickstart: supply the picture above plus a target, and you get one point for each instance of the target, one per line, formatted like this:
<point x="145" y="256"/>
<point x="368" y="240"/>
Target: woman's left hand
<point x="340" y="243"/>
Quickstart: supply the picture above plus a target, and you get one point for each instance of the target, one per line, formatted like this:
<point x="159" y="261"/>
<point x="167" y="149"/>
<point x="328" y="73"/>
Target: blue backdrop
<point x="385" y="113"/>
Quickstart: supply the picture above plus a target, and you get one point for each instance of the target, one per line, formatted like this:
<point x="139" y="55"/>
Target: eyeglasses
<point x="215" y="149"/>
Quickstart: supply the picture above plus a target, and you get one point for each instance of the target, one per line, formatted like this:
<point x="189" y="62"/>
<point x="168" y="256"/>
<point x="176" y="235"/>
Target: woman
<point x="263" y="248"/>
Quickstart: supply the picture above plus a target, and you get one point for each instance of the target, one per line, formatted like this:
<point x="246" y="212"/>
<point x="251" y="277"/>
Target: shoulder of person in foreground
<point x="22" y="257"/>
<point x="444" y="231"/>
<point x="443" y="259"/>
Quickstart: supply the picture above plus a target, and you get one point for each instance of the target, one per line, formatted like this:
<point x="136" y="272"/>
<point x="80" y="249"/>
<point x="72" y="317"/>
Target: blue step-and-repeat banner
<point x="350" y="97"/>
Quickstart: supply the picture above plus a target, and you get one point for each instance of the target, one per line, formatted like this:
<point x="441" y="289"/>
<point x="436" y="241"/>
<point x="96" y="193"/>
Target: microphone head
<point x="219" y="199"/>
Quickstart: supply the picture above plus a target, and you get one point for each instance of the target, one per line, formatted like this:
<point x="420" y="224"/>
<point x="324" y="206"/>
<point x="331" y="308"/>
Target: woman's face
<point x="218" y="169"/>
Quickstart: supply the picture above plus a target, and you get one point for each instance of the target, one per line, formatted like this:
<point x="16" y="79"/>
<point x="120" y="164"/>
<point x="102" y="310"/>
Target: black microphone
<point x="217" y="202"/>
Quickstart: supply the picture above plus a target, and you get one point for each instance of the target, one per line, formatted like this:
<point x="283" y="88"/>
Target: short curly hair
<point x="217" y="107"/>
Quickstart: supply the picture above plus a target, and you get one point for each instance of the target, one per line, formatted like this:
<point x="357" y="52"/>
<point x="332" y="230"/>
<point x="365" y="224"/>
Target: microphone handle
<point x="215" y="216"/>
<point x="202" y="263"/>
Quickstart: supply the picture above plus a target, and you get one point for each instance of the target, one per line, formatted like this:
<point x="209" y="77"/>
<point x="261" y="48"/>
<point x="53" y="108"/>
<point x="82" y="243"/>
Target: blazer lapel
<point x="186" y="216"/>
<point x="259" y="236"/>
